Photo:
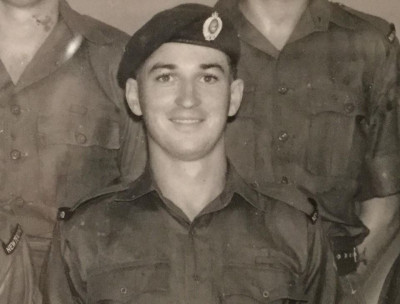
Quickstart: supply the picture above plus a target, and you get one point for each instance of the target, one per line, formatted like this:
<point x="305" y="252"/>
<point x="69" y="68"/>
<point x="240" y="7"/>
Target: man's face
<point x="185" y="93"/>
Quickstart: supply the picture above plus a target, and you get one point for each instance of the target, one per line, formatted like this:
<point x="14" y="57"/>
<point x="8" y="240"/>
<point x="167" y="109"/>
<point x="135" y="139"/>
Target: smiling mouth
<point x="186" y="121"/>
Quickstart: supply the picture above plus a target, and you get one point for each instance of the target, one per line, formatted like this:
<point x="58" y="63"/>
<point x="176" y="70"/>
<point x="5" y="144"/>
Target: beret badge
<point x="212" y="27"/>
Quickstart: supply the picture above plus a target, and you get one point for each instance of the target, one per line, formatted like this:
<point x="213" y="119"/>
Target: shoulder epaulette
<point x="295" y="197"/>
<point x="381" y="25"/>
<point x="65" y="213"/>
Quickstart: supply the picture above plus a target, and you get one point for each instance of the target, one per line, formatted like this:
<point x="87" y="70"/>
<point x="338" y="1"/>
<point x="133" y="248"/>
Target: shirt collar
<point x="234" y="185"/>
<point x="316" y="17"/>
<point x="91" y="29"/>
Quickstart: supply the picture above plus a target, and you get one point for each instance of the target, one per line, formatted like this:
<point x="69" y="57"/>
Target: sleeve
<point x="132" y="152"/>
<point x="132" y="156"/>
<point x="17" y="280"/>
<point x="62" y="280"/>
<point x="383" y="156"/>
<point x="320" y="277"/>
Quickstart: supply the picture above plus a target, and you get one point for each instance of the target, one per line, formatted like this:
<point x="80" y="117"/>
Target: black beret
<point x="187" y="23"/>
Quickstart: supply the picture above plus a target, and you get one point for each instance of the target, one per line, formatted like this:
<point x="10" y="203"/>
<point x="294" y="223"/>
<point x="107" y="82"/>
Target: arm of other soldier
<point x="62" y="283"/>
<point x="17" y="284"/>
<point x="132" y="157"/>
<point x="381" y="215"/>
<point x="321" y="280"/>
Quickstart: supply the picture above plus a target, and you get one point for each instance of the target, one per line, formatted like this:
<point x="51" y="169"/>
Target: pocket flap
<point x="123" y="284"/>
<point x="90" y="128"/>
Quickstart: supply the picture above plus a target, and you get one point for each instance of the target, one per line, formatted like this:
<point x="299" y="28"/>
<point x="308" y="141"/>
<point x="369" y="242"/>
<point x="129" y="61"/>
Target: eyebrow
<point x="204" y="66"/>
<point x="213" y="66"/>
<point x="158" y="66"/>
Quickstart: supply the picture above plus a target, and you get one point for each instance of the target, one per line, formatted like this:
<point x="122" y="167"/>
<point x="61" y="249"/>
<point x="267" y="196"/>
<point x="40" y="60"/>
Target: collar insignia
<point x="212" y="27"/>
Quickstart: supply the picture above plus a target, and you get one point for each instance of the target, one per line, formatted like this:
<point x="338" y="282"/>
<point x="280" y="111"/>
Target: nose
<point x="187" y="96"/>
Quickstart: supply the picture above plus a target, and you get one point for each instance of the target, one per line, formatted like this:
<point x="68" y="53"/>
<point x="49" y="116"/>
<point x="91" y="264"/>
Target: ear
<point x="132" y="96"/>
<point x="236" y="96"/>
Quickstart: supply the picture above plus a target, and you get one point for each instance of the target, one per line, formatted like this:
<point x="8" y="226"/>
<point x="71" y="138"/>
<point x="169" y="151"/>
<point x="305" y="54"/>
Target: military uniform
<point x="390" y="292"/>
<point x="321" y="113"/>
<point x="64" y="129"/>
<point x="16" y="272"/>
<point x="132" y="245"/>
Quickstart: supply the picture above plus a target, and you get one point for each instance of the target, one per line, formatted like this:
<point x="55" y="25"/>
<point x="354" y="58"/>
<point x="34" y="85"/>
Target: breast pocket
<point x="335" y="139"/>
<point x="261" y="282"/>
<point x="78" y="150"/>
<point x="140" y="282"/>
<point x="80" y="126"/>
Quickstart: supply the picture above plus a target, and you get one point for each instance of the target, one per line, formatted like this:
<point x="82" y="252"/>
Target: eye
<point x="164" y="78"/>
<point x="209" y="78"/>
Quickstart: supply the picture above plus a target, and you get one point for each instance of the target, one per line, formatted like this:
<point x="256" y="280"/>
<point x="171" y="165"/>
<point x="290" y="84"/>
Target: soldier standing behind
<point x="63" y="123"/>
<point x="320" y="111"/>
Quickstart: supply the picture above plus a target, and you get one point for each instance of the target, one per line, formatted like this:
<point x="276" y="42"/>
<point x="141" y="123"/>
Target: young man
<point x="320" y="111"/>
<point x="64" y="129"/>
<point x="17" y="284"/>
<point x="189" y="230"/>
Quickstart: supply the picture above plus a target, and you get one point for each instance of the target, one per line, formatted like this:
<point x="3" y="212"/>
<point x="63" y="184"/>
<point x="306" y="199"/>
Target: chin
<point x="22" y="3"/>
<point x="189" y="154"/>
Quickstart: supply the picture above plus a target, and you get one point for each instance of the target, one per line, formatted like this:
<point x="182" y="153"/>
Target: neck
<point x="190" y="185"/>
<point x="275" y="19"/>
<point x="22" y="21"/>
<point x="23" y="29"/>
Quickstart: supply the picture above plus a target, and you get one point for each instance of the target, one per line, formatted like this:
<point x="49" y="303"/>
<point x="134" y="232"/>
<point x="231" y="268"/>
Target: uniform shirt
<point x="132" y="245"/>
<point x="64" y="129"/>
<point x="390" y="292"/>
<point x="322" y="112"/>
<point x="16" y="271"/>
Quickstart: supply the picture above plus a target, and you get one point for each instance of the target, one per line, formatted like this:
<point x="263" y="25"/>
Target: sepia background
<point x="129" y="15"/>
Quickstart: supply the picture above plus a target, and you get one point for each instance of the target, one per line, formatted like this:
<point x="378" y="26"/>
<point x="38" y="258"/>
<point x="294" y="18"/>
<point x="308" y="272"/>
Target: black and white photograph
<point x="199" y="152"/>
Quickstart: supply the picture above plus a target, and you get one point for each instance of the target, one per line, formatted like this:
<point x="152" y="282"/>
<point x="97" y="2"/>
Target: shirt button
<point x="265" y="294"/>
<point x="19" y="201"/>
<point x="124" y="290"/>
<point x="349" y="108"/>
<point x="283" y="137"/>
<point x="15" y="109"/>
<point x="81" y="138"/>
<point x="283" y="90"/>
<point x="15" y="154"/>
<point x="284" y="180"/>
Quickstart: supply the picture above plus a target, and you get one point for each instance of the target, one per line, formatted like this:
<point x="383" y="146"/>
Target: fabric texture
<point x="322" y="112"/>
<point x="132" y="245"/>
<point x="64" y="127"/>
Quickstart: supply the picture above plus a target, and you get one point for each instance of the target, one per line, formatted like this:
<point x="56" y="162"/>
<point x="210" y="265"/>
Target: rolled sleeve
<point x="384" y="174"/>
